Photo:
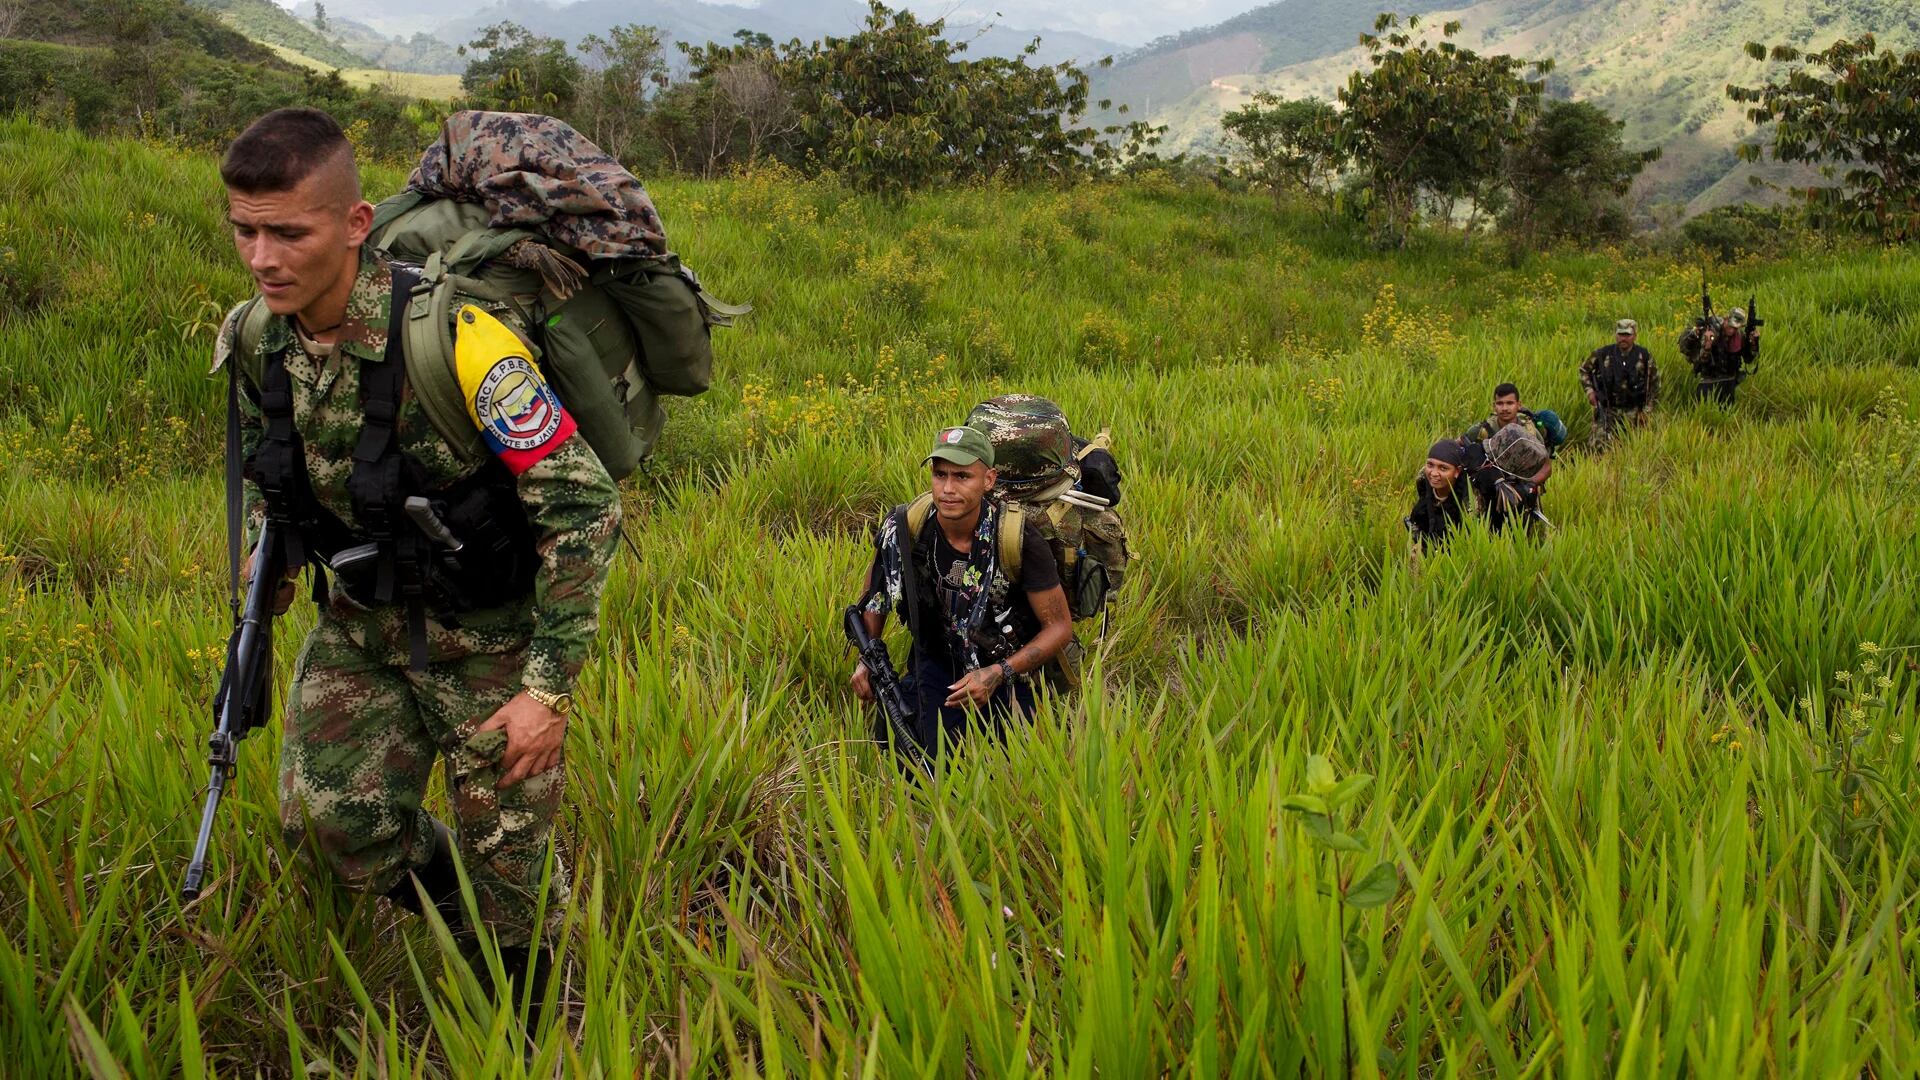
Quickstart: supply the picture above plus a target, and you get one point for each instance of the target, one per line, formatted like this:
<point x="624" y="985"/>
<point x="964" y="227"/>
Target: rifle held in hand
<point x="245" y="692"/>
<point x="887" y="690"/>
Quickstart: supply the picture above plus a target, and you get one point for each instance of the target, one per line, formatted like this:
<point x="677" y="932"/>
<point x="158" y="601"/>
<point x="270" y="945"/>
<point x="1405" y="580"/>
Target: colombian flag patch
<point x="518" y="414"/>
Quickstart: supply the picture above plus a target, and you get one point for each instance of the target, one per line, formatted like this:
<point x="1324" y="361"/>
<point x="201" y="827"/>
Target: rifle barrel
<point x="236" y="707"/>
<point x="887" y="692"/>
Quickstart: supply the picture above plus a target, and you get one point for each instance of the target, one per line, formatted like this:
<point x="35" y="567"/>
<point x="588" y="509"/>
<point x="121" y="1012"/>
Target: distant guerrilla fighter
<point x="1722" y="349"/>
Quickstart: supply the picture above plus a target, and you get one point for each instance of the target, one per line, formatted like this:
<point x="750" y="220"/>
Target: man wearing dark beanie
<point x="1439" y="494"/>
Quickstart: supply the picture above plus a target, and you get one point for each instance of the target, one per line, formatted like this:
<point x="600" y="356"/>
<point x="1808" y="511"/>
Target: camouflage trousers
<point x="361" y="738"/>
<point x="1610" y="422"/>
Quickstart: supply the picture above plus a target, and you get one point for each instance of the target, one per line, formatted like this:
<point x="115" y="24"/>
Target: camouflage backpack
<point x="1516" y="451"/>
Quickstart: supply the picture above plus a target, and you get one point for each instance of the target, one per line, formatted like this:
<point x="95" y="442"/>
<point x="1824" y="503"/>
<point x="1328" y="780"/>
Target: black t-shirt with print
<point x="946" y="600"/>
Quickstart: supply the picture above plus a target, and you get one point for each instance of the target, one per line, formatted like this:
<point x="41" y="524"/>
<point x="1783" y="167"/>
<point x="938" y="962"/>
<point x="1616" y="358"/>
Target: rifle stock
<point x="888" y="694"/>
<point x="245" y="693"/>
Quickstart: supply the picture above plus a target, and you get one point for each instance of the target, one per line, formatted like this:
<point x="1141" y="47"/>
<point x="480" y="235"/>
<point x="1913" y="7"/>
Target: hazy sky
<point x="1130" y="22"/>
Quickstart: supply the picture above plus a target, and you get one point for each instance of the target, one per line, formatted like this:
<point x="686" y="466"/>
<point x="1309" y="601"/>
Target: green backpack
<point x="625" y="333"/>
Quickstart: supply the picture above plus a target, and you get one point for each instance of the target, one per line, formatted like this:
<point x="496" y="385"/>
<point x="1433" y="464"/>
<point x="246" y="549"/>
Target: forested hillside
<point x="266" y="21"/>
<point x="1661" y="67"/>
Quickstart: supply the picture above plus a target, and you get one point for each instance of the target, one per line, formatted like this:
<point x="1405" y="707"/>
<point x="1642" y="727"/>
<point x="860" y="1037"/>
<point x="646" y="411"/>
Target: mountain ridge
<point x="1659" y="66"/>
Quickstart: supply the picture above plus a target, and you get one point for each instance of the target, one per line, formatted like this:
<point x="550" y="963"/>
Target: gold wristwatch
<point x="560" y="703"/>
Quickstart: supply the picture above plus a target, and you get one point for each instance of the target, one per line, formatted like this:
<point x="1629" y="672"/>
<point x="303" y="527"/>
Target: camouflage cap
<point x="1737" y="317"/>
<point x="1626" y="326"/>
<point x="962" y="446"/>
<point x="1031" y="441"/>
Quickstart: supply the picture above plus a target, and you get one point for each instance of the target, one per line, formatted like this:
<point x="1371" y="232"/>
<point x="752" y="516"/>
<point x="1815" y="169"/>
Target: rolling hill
<point x="270" y="24"/>
<point x="1660" y="66"/>
<point x="695" y="21"/>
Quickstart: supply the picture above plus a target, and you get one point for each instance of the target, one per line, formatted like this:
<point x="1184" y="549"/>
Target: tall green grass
<point x="1591" y="768"/>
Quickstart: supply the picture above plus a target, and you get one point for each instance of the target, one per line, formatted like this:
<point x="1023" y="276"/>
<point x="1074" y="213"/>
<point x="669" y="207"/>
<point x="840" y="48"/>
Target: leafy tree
<point x="520" y="71"/>
<point x="892" y="108"/>
<point x="1568" y="175"/>
<point x="319" y="16"/>
<point x="1289" y="146"/>
<point x="140" y="68"/>
<point x="1854" y="110"/>
<point x="623" y="70"/>
<point x="1434" y="119"/>
<point x="736" y="106"/>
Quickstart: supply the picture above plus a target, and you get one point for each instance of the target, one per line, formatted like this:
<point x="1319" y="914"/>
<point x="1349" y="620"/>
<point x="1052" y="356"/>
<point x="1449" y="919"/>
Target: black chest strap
<point x="383" y="477"/>
<point x="279" y="467"/>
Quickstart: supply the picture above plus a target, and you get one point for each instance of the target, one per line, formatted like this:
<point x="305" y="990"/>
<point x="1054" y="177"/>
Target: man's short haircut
<point x="1505" y="389"/>
<point x="281" y="149"/>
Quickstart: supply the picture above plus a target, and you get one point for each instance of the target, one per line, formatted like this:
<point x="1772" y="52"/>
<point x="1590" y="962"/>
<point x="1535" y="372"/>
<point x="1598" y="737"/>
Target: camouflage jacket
<point x="1609" y="374"/>
<point x="572" y="504"/>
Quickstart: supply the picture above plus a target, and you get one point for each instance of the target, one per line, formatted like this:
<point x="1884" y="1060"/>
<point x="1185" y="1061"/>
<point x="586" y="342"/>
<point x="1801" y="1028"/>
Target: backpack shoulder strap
<point x="254" y="318"/>
<point x="1102" y="441"/>
<point x="918" y="511"/>
<point x="428" y="341"/>
<point x="1012" y="536"/>
<point x="1069" y="553"/>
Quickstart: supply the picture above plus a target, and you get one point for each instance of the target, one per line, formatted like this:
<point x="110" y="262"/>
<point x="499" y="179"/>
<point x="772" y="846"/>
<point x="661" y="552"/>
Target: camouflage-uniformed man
<point x="419" y="651"/>
<point x="1720" y="350"/>
<point x="1622" y="382"/>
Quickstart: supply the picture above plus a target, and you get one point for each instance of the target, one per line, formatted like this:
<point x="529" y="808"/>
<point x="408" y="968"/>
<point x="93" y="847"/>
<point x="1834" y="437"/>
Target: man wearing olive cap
<point x="980" y="627"/>
<point x="1622" y="382"/>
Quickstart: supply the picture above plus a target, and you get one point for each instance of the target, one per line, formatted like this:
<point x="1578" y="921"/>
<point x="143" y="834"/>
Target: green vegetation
<point x="268" y="22"/>
<point x="1851" y="105"/>
<point x="1436" y="120"/>
<point x="167" y="71"/>
<point x="401" y="83"/>
<point x="1660" y="68"/>
<point x="894" y="107"/>
<point x="1428" y="125"/>
<point x="1634" y="820"/>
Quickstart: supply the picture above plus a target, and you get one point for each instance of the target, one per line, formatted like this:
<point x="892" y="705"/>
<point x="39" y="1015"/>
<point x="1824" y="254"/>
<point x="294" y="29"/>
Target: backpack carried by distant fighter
<point x="1516" y="451"/>
<point x="1551" y="427"/>
<point x="1068" y="487"/>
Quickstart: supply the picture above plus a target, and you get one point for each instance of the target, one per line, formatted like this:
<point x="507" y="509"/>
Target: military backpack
<point x="1552" y="428"/>
<point x="1516" y="451"/>
<point x="612" y="335"/>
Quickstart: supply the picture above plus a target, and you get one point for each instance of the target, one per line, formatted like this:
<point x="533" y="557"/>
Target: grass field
<point x="412" y="84"/>
<point x="1644" y="805"/>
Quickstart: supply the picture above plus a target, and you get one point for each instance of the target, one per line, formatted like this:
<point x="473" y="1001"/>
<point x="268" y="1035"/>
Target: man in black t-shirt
<point x="980" y="625"/>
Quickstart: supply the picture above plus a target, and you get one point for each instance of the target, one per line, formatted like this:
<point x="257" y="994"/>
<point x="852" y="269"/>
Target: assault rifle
<point x="887" y="691"/>
<point x="245" y="692"/>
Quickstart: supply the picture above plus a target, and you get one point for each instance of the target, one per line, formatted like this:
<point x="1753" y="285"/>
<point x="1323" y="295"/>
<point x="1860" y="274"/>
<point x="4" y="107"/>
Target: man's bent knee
<point x="363" y="854"/>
